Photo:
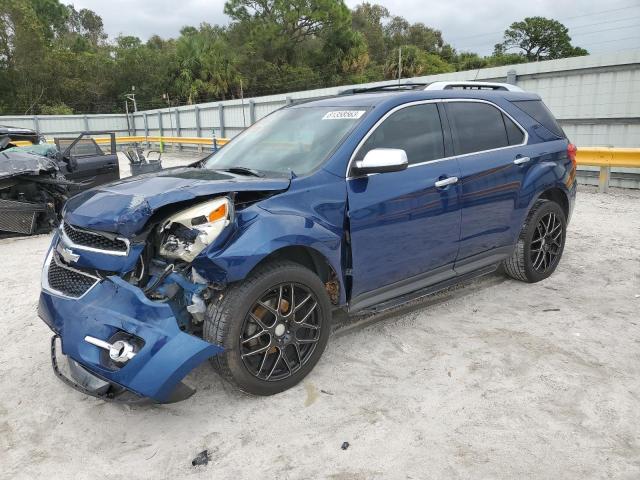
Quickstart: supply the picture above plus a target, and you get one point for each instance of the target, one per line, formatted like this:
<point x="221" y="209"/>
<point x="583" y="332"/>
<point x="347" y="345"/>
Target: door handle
<point x="446" y="181"/>
<point x="521" y="160"/>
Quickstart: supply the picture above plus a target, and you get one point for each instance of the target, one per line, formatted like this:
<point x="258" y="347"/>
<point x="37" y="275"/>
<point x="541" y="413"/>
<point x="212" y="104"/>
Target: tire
<point x="264" y="350"/>
<point x="540" y="245"/>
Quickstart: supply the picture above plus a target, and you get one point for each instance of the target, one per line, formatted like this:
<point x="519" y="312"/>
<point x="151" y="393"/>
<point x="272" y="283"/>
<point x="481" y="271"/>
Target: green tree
<point x="415" y="62"/>
<point x="53" y="16"/>
<point x="22" y="50"/>
<point x="282" y="45"/>
<point x="400" y="32"/>
<point x="56" y="109"/>
<point x="207" y="64"/>
<point x="539" y="38"/>
<point x="367" y="19"/>
<point x="278" y="28"/>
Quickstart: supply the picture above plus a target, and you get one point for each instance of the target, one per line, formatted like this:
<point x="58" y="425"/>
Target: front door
<point x="402" y="225"/>
<point x="92" y="166"/>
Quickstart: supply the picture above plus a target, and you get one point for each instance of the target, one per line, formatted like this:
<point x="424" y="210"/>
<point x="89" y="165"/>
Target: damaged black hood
<point x="124" y="207"/>
<point x="15" y="163"/>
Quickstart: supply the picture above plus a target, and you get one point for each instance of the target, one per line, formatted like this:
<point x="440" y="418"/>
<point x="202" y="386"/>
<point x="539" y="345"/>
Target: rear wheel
<point x="540" y="245"/>
<point x="273" y="326"/>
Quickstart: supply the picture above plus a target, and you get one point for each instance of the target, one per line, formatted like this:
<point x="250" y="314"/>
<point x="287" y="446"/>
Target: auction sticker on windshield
<point x="343" y="114"/>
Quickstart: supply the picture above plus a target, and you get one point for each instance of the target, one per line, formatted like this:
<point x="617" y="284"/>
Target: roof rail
<point x="385" y="88"/>
<point x="472" y="85"/>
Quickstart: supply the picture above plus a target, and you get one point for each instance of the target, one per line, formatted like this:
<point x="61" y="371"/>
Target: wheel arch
<point x="312" y="259"/>
<point x="557" y="195"/>
<point x="551" y="190"/>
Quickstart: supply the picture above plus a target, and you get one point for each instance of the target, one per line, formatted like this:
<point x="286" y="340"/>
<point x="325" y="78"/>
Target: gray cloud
<point x="469" y="25"/>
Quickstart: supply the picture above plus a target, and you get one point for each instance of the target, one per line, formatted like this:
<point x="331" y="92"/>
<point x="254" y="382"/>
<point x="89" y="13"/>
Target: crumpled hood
<point x="16" y="163"/>
<point x="124" y="207"/>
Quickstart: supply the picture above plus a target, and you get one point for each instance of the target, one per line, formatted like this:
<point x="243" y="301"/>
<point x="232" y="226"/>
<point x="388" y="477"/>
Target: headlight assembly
<point x="185" y="234"/>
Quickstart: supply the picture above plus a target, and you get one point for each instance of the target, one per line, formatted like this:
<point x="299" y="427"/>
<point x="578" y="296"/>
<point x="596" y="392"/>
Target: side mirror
<point x="72" y="163"/>
<point x="382" y="160"/>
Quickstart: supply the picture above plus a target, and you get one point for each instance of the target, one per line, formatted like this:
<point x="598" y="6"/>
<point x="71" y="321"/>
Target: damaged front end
<point x="128" y="308"/>
<point x="32" y="192"/>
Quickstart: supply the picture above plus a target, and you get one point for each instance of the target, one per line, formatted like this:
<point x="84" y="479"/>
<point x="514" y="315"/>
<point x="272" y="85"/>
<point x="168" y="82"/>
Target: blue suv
<point x="357" y="202"/>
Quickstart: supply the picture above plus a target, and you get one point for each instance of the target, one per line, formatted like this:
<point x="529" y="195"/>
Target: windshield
<point x="294" y="140"/>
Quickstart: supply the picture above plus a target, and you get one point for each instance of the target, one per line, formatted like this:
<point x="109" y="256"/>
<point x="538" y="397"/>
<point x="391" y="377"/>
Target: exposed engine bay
<point x="32" y="192"/>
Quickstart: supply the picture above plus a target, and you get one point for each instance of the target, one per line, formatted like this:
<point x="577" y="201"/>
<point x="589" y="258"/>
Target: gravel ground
<point x="498" y="379"/>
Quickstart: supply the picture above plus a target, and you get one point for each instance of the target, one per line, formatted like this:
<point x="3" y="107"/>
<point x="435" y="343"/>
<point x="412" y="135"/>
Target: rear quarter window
<point x="541" y="114"/>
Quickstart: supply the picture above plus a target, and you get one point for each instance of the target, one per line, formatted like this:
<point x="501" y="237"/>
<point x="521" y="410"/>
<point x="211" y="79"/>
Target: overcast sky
<point x="469" y="25"/>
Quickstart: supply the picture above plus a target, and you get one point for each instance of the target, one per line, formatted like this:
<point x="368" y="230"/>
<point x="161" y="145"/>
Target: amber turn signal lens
<point x="218" y="213"/>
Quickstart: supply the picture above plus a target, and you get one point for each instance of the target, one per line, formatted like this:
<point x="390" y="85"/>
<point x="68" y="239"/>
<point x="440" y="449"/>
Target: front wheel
<point x="274" y="326"/>
<point x="540" y="244"/>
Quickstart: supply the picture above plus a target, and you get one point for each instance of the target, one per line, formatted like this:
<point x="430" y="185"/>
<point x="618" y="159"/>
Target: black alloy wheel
<point x="280" y="332"/>
<point x="273" y="326"/>
<point x="546" y="245"/>
<point x="540" y="244"/>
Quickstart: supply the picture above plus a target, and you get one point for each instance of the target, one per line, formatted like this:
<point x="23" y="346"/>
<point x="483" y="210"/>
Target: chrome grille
<point x="94" y="240"/>
<point x="63" y="280"/>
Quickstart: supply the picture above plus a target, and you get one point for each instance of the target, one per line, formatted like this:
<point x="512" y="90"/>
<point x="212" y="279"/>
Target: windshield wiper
<point x="244" y="171"/>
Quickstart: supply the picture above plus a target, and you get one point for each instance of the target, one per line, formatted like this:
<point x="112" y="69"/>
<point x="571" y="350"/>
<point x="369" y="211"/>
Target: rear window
<point x="541" y="114"/>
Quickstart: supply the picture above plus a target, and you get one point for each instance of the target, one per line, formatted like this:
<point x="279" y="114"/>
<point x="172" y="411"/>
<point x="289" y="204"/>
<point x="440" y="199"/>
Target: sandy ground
<point x="495" y="380"/>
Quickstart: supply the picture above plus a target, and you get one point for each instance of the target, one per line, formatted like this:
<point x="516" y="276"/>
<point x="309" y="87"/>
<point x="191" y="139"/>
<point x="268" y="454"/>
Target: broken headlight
<point x="186" y="233"/>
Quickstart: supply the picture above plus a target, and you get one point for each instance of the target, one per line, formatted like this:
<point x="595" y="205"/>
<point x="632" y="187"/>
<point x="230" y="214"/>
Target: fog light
<point x="119" y="351"/>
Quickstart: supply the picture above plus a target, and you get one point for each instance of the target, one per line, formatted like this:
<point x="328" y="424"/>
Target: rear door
<point x="402" y="226"/>
<point x="491" y="150"/>
<point x="92" y="164"/>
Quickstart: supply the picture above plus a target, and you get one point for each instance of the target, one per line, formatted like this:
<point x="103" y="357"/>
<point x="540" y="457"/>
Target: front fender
<point x="260" y="233"/>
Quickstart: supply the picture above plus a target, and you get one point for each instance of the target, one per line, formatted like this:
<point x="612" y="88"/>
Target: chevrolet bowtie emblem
<point x="67" y="254"/>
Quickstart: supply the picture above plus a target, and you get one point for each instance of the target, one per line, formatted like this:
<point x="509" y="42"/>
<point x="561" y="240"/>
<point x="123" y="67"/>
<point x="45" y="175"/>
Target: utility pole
<point x="244" y="120"/>
<point x="132" y="97"/>
<point x="399" y="64"/>
<point x="126" y="109"/>
<point x="166" y="97"/>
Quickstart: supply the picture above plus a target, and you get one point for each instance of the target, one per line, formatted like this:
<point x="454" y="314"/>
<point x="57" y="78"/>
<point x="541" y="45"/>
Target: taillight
<point x="572" y="150"/>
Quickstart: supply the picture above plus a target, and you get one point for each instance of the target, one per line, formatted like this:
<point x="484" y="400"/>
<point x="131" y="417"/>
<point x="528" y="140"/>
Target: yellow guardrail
<point x="605" y="158"/>
<point x="609" y="157"/>
<point x="141" y="139"/>
<point x="165" y="140"/>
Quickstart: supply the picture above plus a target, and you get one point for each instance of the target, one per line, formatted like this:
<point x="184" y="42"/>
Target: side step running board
<point x="426" y="291"/>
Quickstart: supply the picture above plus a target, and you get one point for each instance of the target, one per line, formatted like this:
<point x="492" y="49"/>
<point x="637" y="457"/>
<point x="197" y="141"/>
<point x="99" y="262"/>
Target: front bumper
<point x="112" y="307"/>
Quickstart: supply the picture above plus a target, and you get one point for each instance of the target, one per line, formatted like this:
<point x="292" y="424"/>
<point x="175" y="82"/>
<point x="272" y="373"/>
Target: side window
<point x="476" y="127"/>
<point x="416" y="130"/>
<point x="84" y="148"/>
<point x="514" y="134"/>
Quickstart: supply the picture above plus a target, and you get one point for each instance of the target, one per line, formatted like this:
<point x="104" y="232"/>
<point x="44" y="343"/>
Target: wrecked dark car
<point x="19" y="136"/>
<point x="32" y="192"/>
<point x="358" y="202"/>
<point x="37" y="179"/>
